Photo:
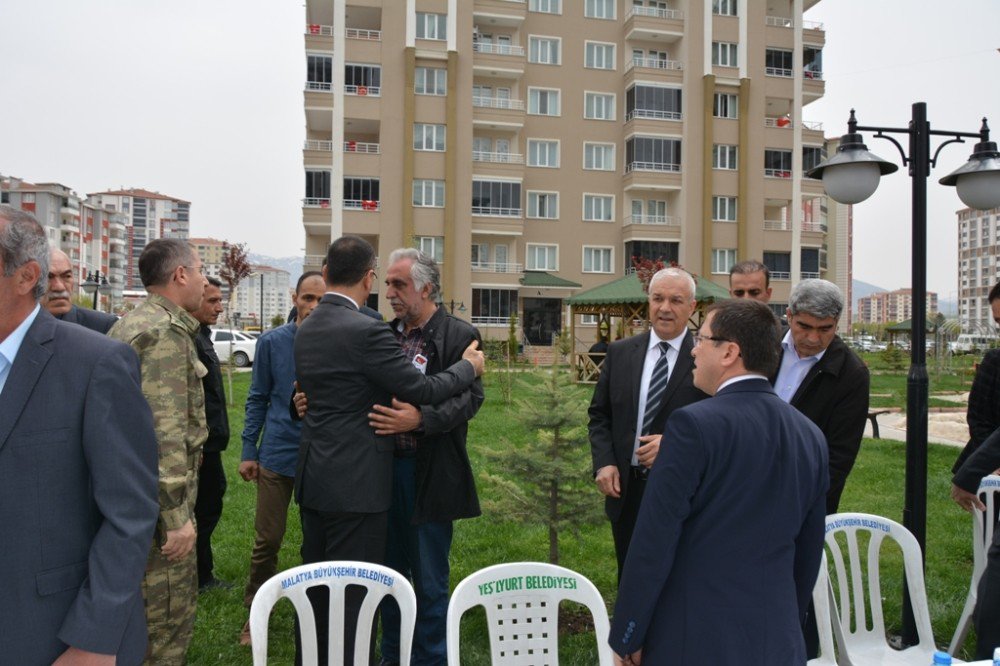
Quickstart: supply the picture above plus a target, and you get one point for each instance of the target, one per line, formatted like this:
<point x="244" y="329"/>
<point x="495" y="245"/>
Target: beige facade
<point x="564" y="137"/>
<point x="978" y="267"/>
<point x="892" y="307"/>
<point x="211" y="252"/>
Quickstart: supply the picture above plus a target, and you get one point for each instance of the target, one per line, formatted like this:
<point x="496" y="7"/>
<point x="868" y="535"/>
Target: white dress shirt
<point x="652" y="356"/>
<point x="12" y="344"/>
<point x="793" y="368"/>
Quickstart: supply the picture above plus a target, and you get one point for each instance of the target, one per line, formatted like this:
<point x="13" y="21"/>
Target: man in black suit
<point x="983" y="412"/>
<point x="59" y="296"/>
<point x="347" y="362"/>
<point x="643" y="380"/>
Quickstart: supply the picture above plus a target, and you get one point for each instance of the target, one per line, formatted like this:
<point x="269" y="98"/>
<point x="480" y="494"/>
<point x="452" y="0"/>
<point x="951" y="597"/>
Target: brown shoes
<point x="245" y="634"/>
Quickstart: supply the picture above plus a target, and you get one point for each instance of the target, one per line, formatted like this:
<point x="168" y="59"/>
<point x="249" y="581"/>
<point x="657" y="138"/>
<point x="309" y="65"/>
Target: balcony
<point x="369" y="205"/>
<point x="363" y="91"/>
<point x="486" y="267"/>
<point x="777" y="225"/>
<point x="498" y="103"/>
<point x="807" y="275"/>
<point x="779" y="22"/>
<point x="490" y="211"/>
<point x="652" y="166"/>
<point x="654" y="63"/>
<point x="316" y="202"/>
<point x="783" y="122"/>
<point x="653" y="24"/>
<point x="497" y="158"/>
<point x="777" y="173"/>
<point x="364" y="147"/>
<point x="653" y="114"/>
<point x="491" y="48"/>
<point x="659" y="220"/>
<point x="490" y="321"/>
<point x="815" y="227"/>
<point x="778" y="71"/>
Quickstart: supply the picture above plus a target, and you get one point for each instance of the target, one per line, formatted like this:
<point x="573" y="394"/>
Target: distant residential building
<point x="148" y="215"/>
<point x="891" y="306"/>
<point x="978" y="268"/>
<point x="277" y="296"/>
<point x="211" y="251"/>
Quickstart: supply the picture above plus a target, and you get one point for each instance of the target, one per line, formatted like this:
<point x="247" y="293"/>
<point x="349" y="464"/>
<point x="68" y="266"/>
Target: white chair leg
<point x="964" y="621"/>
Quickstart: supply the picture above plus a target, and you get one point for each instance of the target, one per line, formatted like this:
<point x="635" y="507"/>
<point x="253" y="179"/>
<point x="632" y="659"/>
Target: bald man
<point x="58" y="298"/>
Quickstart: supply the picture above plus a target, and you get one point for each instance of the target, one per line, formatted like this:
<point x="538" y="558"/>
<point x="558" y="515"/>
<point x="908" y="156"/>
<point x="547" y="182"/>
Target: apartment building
<point x="147" y="216"/>
<point x="978" y="267"/>
<point x="271" y="284"/>
<point x="534" y="147"/>
<point x="892" y="307"/>
<point x="211" y="251"/>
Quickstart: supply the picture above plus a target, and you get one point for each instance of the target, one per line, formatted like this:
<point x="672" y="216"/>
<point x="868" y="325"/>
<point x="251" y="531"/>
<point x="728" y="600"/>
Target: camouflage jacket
<point x="162" y="334"/>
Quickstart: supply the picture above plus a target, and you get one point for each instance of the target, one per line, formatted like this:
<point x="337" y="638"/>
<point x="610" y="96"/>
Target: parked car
<point x="967" y="343"/>
<point x="238" y="343"/>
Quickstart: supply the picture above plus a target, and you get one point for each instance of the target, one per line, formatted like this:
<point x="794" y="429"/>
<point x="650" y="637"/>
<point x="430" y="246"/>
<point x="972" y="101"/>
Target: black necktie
<point x="657" y="385"/>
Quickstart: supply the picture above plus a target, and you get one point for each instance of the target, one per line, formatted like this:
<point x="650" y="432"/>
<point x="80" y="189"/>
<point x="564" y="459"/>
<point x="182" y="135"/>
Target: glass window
<point x="724" y="209"/>
<point x="542" y="257"/>
<point x="724" y="157"/>
<point x="810" y="261"/>
<point x="432" y="246"/>
<point x="598" y="208"/>
<point x="779" y="263"/>
<point x="317" y="184"/>
<point x="723" y="260"/>
<point x="543" y="153"/>
<point x="489" y="305"/>
<point x="643" y="101"/>
<point x="362" y="76"/>
<point x="428" y="193"/>
<point x="545" y="6"/>
<point x="724" y="7"/>
<point x="652" y="153"/>
<point x="496" y="197"/>
<point x="543" y="205"/>
<point x="543" y="102"/>
<point x="724" y="54"/>
<point x="777" y="62"/>
<point x="725" y="105"/>
<point x="597" y="260"/>
<point x="602" y="9"/>
<point x="599" y="106"/>
<point x="361" y="193"/>
<point x="432" y="26"/>
<point x="428" y="137"/>
<point x="599" y="56"/>
<point x="544" y="50"/>
<point x="778" y="163"/>
<point x="431" y="81"/>
<point x="319" y="72"/>
<point x="654" y="250"/>
<point x="812" y="155"/>
<point x="599" y="156"/>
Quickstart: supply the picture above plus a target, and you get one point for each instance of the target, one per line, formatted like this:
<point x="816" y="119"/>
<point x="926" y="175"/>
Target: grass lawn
<point x="875" y="486"/>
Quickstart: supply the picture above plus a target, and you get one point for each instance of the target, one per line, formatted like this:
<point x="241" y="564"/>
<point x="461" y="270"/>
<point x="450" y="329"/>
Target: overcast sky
<point x="202" y="100"/>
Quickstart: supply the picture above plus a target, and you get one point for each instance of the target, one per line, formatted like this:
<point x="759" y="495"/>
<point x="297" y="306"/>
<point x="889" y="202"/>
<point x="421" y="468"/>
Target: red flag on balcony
<point x="368" y="204"/>
<point x="325" y="203"/>
<point x="352" y="146"/>
<point x="362" y="90"/>
<point x="783" y="121"/>
<point x="313" y="29"/>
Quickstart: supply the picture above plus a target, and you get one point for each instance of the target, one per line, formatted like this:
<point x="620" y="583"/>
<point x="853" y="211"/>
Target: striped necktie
<point x="657" y="385"/>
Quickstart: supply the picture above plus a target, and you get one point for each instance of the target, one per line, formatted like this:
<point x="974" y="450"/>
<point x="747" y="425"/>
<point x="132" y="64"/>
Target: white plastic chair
<point x="827" y="624"/>
<point x="982" y="536"/>
<point x="865" y="639"/>
<point x="380" y="582"/>
<point x="522" y="612"/>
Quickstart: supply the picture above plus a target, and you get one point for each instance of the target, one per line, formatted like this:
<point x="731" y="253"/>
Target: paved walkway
<point x="943" y="427"/>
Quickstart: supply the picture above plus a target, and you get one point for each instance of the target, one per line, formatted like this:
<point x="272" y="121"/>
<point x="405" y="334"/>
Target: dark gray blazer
<point x="78" y="497"/>
<point x="346" y="362"/>
<point x="95" y="320"/>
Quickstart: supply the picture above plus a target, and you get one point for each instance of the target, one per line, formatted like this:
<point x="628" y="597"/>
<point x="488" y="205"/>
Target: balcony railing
<point x="319" y="86"/>
<point x="498" y="103"/>
<point x="777" y="225"/>
<point x="487" y="267"/>
<point x="316" y="202"/>
<point x="314" y="259"/>
<point x="491" y="321"/>
<point x="777" y="173"/>
<point x="779" y="22"/>
<point x="814" y="226"/>
<point x="812" y="25"/>
<point x="654" y="114"/>
<point x="654" y="63"/>
<point x="325" y="146"/>
<point x="655" y="12"/>
<point x="363" y="91"/>
<point x="363" y="204"/>
<point x="498" y="49"/>
<point x="497" y="158"/>
<point x="783" y="122"/>
<point x="812" y="74"/>
<point x="362" y="147"/>
<point x="317" y="29"/>
<point x="492" y="211"/>
<point x="652" y="166"/>
<point x="807" y="275"/>
<point x="778" y="71"/>
<point x="352" y="33"/>
<point x="663" y="220"/>
<point x="781" y="275"/>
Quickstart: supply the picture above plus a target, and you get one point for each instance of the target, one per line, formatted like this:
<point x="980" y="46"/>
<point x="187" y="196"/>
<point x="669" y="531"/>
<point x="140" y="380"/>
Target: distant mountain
<point x="861" y="289"/>
<point x="291" y="264"/>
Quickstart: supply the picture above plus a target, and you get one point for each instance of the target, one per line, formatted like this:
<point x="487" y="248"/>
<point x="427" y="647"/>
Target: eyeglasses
<point x="699" y="338"/>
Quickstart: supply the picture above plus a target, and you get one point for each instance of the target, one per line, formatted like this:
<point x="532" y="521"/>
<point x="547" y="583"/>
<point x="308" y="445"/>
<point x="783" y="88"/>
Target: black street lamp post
<point x="851" y="176"/>
<point x="452" y="304"/>
<point x="94" y="284"/>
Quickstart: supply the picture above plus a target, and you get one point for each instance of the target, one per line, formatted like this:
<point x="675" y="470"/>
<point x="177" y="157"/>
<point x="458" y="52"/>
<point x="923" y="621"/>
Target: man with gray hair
<point x="58" y="298"/>
<point x="77" y="475"/>
<point x="822" y="378"/>
<point x="432" y="483"/>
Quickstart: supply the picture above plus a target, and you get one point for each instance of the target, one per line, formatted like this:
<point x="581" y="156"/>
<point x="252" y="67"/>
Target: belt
<point x="638" y="472"/>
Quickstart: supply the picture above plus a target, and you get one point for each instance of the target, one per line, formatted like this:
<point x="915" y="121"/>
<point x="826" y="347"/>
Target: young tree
<point x="235" y="267"/>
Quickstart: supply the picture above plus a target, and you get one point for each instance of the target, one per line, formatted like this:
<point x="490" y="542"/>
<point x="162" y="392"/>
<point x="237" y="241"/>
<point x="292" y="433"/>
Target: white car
<point x="238" y="343"/>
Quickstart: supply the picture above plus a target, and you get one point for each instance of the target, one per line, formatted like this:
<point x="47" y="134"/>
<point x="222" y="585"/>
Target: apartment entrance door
<point x="542" y="319"/>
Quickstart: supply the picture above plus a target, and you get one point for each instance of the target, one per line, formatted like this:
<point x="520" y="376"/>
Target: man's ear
<point x="29" y="275"/>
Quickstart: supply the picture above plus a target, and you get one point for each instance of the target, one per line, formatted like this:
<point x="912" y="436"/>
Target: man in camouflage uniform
<point x="161" y="330"/>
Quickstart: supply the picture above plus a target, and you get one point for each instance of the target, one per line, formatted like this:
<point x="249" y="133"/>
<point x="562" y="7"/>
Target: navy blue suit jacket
<point x="78" y="497"/>
<point x="95" y="320"/>
<point x="729" y="537"/>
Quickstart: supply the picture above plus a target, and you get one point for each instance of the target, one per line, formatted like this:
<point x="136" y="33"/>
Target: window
<point x="543" y="102"/>
<point x="491" y="306"/>
<point x="428" y="193"/>
<point x="644" y="101"/>
<point x="543" y="205"/>
<point x="599" y="156"/>
<point x="723" y="260"/>
<point x="368" y="77"/>
<point x="599" y="56"/>
<point x="724" y="54"/>
<point x="724" y="209"/>
<point x="361" y="193"/>
<point x="317" y="185"/>
<point x="654" y="250"/>
<point x="777" y="62"/>
<point x="542" y="257"/>
<point x="646" y="153"/>
<point x="779" y="263"/>
<point x="655" y="211"/>
<point x="545" y="6"/>
<point x="602" y="9"/>
<point x="431" y="81"/>
<point x="810" y="262"/>
<point x="588" y="319"/>
<point x="542" y="153"/>
<point x="724" y="7"/>
<point x="432" y="26"/>
<point x="428" y="137"/>
<point x="496" y="197"/>
<point x="778" y="163"/>
<point x="598" y="208"/>
<point x="544" y="50"/>
<point x="480" y="254"/>
<point x="725" y="105"/>
<point x="432" y="246"/>
<point x="597" y="259"/>
<point x="724" y="157"/>
<point x="812" y="155"/>
<point x="319" y="72"/>
<point x="598" y="106"/>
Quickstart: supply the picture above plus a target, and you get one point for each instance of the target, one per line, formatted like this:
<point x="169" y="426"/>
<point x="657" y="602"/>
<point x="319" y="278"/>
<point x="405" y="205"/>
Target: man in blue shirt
<point x="271" y="464"/>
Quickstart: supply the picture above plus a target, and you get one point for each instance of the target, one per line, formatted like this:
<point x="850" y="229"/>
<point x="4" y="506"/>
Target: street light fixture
<point x="850" y="177"/>
<point x="95" y="283"/>
<point x="452" y="304"/>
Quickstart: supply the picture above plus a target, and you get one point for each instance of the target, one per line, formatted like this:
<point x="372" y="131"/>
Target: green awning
<point x="542" y="280"/>
<point x="628" y="289"/>
<point x="905" y="326"/>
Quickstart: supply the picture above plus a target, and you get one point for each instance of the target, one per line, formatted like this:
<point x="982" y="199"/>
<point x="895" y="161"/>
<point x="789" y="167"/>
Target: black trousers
<point x="986" y="618"/>
<point x="340" y="536"/>
<point x="208" y="511"/>
<point x="622" y="528"/>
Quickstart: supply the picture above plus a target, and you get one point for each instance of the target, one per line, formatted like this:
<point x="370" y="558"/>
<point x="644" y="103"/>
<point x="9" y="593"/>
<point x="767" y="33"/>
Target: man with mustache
<point x="59" y="296"/>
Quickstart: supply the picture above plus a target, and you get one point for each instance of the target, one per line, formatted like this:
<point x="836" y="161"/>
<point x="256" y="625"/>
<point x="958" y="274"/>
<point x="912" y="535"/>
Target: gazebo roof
<point x="628" y="289"/>
<point x="905" y="326"/>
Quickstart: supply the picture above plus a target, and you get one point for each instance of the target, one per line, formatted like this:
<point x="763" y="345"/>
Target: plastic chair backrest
<point x="866" y="634"/>
<point x="522" y="611"/>
<point x="380" y="582"/>
<point x="824" y="618"/>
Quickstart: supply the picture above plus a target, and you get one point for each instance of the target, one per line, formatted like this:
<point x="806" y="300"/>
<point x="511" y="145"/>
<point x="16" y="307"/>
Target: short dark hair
<point x="21" y="241"/>
<point x="160" y="258"/>
<point x="214" y="281"/>
<point x="751" y="266"/>
<point x="348" y="259"/>
<point x="994" y="293"/>
<point x="752" y="326"/>
<point x="305" y="276"/>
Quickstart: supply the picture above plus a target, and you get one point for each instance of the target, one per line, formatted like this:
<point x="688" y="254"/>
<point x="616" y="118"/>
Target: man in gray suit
<point x="58" y="298"/>
<point x="77" y="475"/>
<point x="347" y="362"/>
